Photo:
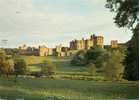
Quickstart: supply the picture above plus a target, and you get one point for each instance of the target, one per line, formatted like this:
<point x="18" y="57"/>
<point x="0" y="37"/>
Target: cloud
<point x="55" y="21"/>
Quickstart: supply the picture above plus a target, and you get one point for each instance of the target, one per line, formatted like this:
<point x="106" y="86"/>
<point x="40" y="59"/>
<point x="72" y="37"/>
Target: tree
<point x="13" y="51"/>
<point x="132" y="58"/>
<point x="2" y="60"/>
<point x="113" y="66"/>
<point x="9" y="66"/>
<point x="93" y="55"/>
<point x="127" y="15"/>
<point x="127" y="12"/>
<point x="20" y="67"/>
<point x="79" y="59"/>
<point x="44" y="68"/>
<point x="48" y="68"/>
<point x="92" y="69"/>
<point x="6" y="63"/>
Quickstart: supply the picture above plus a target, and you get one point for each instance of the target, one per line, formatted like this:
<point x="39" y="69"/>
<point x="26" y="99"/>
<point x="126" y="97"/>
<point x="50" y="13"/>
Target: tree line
<point x="10" y="65"/>
<point x="108" y="62"/>
<point x="127" y="15"/>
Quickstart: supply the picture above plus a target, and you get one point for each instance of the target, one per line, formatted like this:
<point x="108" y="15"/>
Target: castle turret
<point x="114" y="43"/>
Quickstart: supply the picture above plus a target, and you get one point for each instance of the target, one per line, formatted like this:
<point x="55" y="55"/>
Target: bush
<point x="48" y="68"/>
<point x="6" y="63"/>
<point x="113" y="65"/>
<point x="20" y="68"/>
<point x="79" y="59"/>
<point x="92" y="69"/>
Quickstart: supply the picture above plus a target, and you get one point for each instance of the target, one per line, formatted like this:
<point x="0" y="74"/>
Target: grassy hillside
<point x="62" y="64"/>
<point x="44" y="89"/>
<point x="61" y="88"/>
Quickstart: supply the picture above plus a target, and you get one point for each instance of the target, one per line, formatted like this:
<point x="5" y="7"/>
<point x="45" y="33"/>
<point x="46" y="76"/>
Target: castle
<point x="75" y="46"/>
<point x="88" y="43"/>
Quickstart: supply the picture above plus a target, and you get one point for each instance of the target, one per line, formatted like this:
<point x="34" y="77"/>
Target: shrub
<point x="79" y="59"/>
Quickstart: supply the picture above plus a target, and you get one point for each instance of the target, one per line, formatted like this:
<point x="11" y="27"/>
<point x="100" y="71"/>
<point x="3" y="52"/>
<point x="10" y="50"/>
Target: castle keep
<point x="86" y="44"/>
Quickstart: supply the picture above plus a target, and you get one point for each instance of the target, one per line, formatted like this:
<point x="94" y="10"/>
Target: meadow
<point x="31" y="88"/>
<point x="47" y="89"/>
<point x="62" y="64"/>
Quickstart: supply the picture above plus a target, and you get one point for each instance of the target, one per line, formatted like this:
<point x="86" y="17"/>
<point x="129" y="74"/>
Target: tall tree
<point x="113" y="64"/>
<point x="93" y="55"/>
<point x="2" y="60"/>
<point x="127" y="12"/>
<point x="79" y="58"/>
<point x="127" y="15"/>
<point x="48" y="68"/>
<point x="6" y="64"/>
<point x="20" y="67"/>
<point x="132" y="59"/>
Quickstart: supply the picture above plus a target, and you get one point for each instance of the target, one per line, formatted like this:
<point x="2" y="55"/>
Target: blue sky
<point x="51" y="22"/>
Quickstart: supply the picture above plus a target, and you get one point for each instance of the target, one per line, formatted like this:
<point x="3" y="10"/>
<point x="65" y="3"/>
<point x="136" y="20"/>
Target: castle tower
<point x="72" y="45"/>
<point x="43" y="51"/>
<point x="79" y="44"/>
<point x="88" y="44"/>
<point x="114" y="43"/>
<point x="97" y="40"/>
<point x="100" y="41"/>
<point x="59" y="48"/>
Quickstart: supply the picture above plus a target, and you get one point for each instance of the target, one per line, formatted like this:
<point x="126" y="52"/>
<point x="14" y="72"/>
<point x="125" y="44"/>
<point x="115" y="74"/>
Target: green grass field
<point x="44" y="89"/>
<point x="62" y="64"/>
<point x="64" y="89"/>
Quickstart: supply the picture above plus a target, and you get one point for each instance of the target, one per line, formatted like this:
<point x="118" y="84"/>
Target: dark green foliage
<point x="112" y="63"/>
<point x="132" y="59"/>
<point x="2" y="60"/>
<point x="127" y="15"/>
<point x="79" y="59"/>
<point x="92" y="69"/>
<point x="51" y="68"/>
<point x="127" y="12"/>
<point x="48" y="68"/>
<point x="44" y="68"/>
<point x="93" y="55"/>
<point x="6" y="63"/>
<point x="109" y="62"/>
<point x="20" y="67"/>
<point x="13" y="51"/>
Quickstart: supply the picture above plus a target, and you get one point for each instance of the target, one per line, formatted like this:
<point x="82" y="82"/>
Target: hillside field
<point x="62" y="64"/>
<point x="31" y="88"/>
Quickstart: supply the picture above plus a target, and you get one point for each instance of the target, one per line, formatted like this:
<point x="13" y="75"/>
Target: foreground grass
<point x="46" y="89"/>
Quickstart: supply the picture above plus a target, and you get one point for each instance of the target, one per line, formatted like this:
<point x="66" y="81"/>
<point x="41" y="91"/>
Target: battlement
<point x="75" y="45"/>
<point x="86" y="44"/>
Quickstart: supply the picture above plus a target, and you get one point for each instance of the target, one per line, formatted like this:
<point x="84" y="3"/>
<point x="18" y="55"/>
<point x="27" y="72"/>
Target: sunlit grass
<point x="67" y="89"/>
<point x="63" y="89"/>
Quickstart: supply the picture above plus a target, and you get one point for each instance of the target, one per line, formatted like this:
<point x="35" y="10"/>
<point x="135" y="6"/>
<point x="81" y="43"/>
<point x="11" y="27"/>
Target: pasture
<point x="47" y="89"/>
<point x="62" y="64"/>
<point x="28" y="88"/>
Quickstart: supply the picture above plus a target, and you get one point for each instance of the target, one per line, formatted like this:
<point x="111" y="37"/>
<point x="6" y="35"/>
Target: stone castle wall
<point x="75" y="45"/>
<point x="88" y="43"/>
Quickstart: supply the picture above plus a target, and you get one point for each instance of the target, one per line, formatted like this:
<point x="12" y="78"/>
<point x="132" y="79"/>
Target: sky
<point x="53" y="22"/>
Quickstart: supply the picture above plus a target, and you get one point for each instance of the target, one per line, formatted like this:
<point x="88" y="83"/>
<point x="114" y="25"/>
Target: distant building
<point x="59" y="48"/>
<point x="25" y="50"/>
<point x="114" y="44"/>
<point x="88" y="43"/>
<point x="98" y="40"/>
<point x="75" y="46"/>
<point x="44" y="51"/>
